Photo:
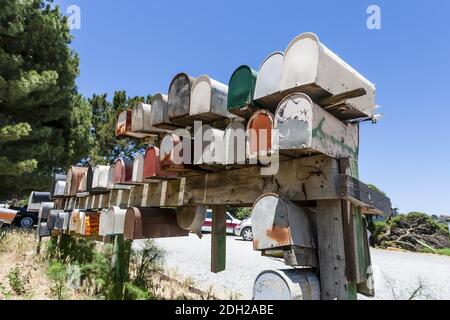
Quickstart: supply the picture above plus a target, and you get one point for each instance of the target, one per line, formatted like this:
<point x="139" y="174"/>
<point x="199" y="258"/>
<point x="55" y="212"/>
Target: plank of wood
<point x="332" y="258"/>
<point x="371" y="201"/>
<point x="218" y="239"/>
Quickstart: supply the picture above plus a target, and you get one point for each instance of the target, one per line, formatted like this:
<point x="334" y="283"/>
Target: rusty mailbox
<point x="91" y="224"/>
<point x="259" y="135"/>
<point x="74" y="178"/>
<point x="241" y="90"/>
<point x="304" y="129"/>
<point x="268" y="83"/>
<point x="179" y="100"/>
<point x="150" y="223"/>
<point x="209" y="99"/>
<point x="176" y="153"/>
<point x="74" y="221"/>
<point x="152" y="166"/>
<point x="311" y="68"/>
<point x="122" y="171"/>
<point x="160" y="113"/>
<point x="278" y="224"/>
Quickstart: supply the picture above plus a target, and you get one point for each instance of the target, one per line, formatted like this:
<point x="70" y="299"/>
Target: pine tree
<point x="44" y="123"/>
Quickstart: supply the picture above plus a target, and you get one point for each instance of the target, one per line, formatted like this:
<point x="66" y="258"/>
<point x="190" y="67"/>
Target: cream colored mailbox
<point x="312" y="68"/>
<point x="112" y="221"/>
<point x="269" y="79"/>
<point x="209" y="99"/>
<point x="138" y="168"/>
<point x="160" y="113"/>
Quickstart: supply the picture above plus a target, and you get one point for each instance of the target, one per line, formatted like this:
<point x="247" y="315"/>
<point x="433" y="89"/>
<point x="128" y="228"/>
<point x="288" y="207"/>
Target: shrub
<point x="57" y="273"/>
<point x="18" y="280"/>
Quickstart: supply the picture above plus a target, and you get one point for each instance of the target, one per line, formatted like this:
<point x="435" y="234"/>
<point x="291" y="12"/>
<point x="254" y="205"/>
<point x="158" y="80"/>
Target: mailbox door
<point x="269" y="76"/>
<point x="241" y="88"/>
<point x="138" y="168"/>
<point x="259" y="133"/>
<point x="179" y="100"/>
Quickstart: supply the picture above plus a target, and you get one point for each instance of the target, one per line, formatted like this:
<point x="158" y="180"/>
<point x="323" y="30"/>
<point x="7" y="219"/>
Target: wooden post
<point x="120" y="265"/>
<point x="332" y="257"/>
<point x="218" y="239"/>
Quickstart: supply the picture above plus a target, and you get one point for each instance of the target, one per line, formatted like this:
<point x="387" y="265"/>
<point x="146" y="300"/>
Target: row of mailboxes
<point x="307" y="67"/>
<point x="189" y="99"/>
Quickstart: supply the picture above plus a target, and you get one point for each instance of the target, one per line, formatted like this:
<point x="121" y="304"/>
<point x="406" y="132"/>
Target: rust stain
<point x="255" y="244"/>
<point x="280" y="235"/>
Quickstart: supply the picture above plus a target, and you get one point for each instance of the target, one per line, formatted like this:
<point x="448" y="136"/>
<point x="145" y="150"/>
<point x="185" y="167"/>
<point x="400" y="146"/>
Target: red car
<point x="232" y="223"/>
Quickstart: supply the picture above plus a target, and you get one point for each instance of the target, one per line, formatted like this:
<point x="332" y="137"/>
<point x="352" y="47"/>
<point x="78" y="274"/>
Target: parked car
<point x="232" y="222"/>
<point x="244" y="230"/>
<point x="25" y="219"/>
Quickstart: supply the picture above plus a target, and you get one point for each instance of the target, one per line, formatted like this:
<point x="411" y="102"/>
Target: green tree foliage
<point x="44" y="122"/>
<point x="106" y="146"/>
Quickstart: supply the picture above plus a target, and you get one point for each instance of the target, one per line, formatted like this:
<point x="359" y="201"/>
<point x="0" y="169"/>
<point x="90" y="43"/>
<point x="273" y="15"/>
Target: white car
<point x="244" y="230"/>
<point x="232" y="222"/>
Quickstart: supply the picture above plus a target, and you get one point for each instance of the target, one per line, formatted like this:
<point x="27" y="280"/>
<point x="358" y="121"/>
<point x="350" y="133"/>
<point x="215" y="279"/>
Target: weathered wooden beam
<point x="218" y="239"/>
<point x="332" y="254"/>
<point x="358" y="193"/>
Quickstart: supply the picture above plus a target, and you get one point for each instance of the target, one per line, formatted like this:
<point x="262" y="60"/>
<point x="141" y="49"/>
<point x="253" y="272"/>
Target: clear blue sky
<point x="140" y="45"/>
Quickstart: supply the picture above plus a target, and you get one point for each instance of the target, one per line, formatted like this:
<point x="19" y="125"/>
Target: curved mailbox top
<point x="83" y="183"/>
<point x="138" y="168"/>
<point x="74" y="179"/>
<point x="269" y="76"/>
<point x="192" y="219"/>
<point x="124" y="123"/>
<point x="312" y="68"/>
<point x="260" y="134"/>
<point x="160" y="112"/>
<point x="44" y="211"/>
<point x="209" y="99"/>
<point x="118" y="216"/>
<point x="123" y="171"/>
<point x="141" y="118"/>
<point x="98" y="178"/>
<point x="106" y="223"/>
<point x="74" y="220"/>
<point x="148" y="223"/>
<point x="179" y="100"/>
<point x="59" y="188"/>
<point x="241" y="88"/>
<point x="111" y="176"/>
<point x="152" y="165"/>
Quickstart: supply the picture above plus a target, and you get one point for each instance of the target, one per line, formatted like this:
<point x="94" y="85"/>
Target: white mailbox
<point x="312" y="68"/>
<point x="160" y="113"/>
<point x="269" y="79"/>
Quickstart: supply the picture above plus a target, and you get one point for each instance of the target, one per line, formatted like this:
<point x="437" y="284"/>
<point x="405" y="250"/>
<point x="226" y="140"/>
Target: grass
<point x="442" y="252"/>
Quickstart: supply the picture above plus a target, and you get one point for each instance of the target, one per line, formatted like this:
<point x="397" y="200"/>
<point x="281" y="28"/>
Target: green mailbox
<point x="241" y="91"/>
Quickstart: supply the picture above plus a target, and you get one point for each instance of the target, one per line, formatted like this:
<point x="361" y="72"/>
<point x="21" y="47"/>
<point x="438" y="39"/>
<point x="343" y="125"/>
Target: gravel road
<point x="397" y="274"/>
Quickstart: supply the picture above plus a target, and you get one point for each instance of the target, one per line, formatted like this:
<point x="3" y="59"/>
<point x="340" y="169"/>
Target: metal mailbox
<point x="150" y="223"/>
<point x="61" y="221"/>
<point x="235" y="141"/>
<point x="98" y="178"/>
<point x="124" y="123"/>
<point x="212" y="152"/>
<point x="160" y="113"/>
<point x="305" y="128"/>
<point x="66" y="224"/>
<point x="52" y="220"/>
<point x="83" y="183"/>
<point x="112" y="221"/>
<point x="176" y="153"/>
<point x="269" y="79"/>
<point x="91" y="224"/>
<point x="259" y="135"/>
<point x="192" y="219"/>
<point x="282" y="225"/>
<point x="209" y="99"/>
<point x="286" y="285"/>
<point x="141" y="122"/>
<point x="73" y="182"/>
<point x="311" y="68"/>
<point x="122" y="171"/>
<point x="152" y="166"/>
<point x="74" y="221"/>
<point x="59" y="185"/>
<point x="241" y="90"/>
<point x="138" y="168"/>
<point x="179" y="100"/>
